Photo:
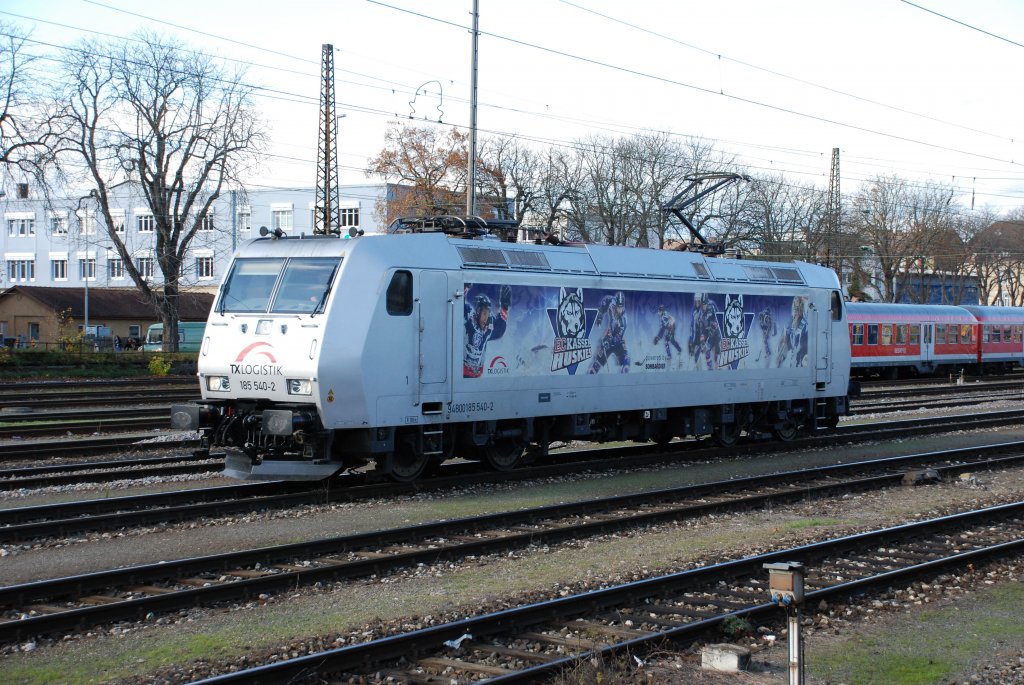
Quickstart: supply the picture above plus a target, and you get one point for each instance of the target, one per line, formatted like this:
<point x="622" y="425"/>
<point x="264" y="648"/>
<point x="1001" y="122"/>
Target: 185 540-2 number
<point x="263" y="386"/>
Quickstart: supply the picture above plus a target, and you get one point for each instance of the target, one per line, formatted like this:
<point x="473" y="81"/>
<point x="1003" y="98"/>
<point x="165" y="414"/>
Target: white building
<point x="63" y="242"/>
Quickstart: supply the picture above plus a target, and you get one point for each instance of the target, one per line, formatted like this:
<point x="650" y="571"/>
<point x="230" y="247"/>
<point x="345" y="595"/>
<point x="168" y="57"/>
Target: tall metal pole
<point x="326" y="212"/>
<point x="471" y="161"/>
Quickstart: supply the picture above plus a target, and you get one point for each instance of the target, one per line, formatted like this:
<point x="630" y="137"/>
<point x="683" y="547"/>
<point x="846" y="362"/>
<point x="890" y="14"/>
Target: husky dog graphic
<point x="734" y="316"/>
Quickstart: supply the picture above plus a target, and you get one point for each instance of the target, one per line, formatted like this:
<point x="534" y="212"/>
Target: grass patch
<point x="802" y="524"/>
<point x="925" y="647"/>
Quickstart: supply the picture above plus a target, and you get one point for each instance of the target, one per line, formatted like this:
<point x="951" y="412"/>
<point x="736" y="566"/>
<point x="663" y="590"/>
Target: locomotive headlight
<point x="218" y="383"/>
<point x="300" y="386"/>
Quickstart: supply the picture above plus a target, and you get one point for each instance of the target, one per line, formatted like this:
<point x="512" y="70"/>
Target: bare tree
<point x="174" y="123"/>
<point x="557" y="204"/>
<point x="778" y="217"/>
<point x="997" y="247"/>
<point x="510" y="177"/>
<point x="27" y="126"/>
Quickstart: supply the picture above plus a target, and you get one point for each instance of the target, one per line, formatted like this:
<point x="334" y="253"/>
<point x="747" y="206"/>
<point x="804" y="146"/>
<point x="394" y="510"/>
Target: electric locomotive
<point x="440" y="340"/>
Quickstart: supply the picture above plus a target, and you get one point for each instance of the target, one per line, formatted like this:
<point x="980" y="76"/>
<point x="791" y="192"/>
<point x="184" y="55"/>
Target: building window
<point x="33" y="330"/>
<point x="282" y="218"/>
<point x="87" y="224"/>
<point x="59" y="269"/>
<point x="118" y="220"/>
<point x="115" y="268"/>
<point x="145" y="267"/>
<point x="206" y="223"/>
<point x="59" y="225"/>
<point x="87" y="268"/>
<point x="145" y="223"/>
<point x="204" y="267"/>
<point x="20" y="228"/>
<point x="349" y="216"/>
<point x="245" y="219"/>
<point x="21" y="270"/>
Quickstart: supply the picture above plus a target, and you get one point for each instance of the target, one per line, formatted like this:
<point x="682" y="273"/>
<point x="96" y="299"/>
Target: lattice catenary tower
<point x="833" y="214"/>
<point x="326" y="212"/>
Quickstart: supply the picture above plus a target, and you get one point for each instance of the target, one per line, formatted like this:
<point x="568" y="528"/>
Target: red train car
<point x="1001" y="336"/>
<point x="893" y="339"/>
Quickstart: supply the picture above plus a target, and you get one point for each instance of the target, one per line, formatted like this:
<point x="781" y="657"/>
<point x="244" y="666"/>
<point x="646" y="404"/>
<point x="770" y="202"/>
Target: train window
<point x="940" y="333"/>
<point x="857" y="334"/>
<point x="1017" y="331"/>
<point x="994" y="334"/>
<point x="399" y="298"/>
<point x="837" y="305"/>
<point x="901" y="334"/>
<point x="1007" y="334"/>
<point x="873" y="334"/>
<point x="965" y="333"/>
<point x="305" y="284"/>
<point x="887" y="334"/>
<point x="915" y="334"/>
<point x="985" y="333"/>
<point x="249" y="285"/>
<point x="927" y="334"/>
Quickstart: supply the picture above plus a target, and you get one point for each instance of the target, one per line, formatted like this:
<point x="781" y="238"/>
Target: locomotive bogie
<point x="403" y="351"/>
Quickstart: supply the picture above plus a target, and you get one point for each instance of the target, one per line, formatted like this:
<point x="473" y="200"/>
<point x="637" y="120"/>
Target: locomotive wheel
<point x="407" y="462"/>
<point x="504" y="454"/>
<point x="726" y="434"/>
<point x="786" y="431"/>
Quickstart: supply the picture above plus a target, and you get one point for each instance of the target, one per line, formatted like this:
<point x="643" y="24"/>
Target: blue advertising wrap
<point x="513" y="330"/>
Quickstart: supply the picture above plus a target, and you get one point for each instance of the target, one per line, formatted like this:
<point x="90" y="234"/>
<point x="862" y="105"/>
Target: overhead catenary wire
<point x="283" y="95"/>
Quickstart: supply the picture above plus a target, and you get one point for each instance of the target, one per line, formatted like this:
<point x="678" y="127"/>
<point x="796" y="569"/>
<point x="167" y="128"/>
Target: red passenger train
<point x="890" y="340"/>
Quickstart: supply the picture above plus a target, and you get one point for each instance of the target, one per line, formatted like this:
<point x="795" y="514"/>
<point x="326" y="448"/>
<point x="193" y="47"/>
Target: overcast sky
<point x="897" y="88"/>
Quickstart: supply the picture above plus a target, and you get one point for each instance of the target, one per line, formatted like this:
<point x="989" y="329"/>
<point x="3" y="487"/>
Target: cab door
<point x="434" y="334"/>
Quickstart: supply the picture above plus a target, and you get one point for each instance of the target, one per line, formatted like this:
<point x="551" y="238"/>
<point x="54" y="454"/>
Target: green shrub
<point x="735" y="627"/>
<point x="159" y="366"/>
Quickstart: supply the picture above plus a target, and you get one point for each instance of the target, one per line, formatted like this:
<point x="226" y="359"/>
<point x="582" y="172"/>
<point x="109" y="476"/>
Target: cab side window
<point x="399" y="298"/>
<point x="837" y="306"/>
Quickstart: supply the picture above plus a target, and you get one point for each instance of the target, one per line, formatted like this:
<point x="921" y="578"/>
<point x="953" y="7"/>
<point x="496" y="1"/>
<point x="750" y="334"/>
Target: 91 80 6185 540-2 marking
<point x="466" y="407"/>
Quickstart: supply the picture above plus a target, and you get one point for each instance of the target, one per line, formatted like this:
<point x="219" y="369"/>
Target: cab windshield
<point x="295" y="286"/>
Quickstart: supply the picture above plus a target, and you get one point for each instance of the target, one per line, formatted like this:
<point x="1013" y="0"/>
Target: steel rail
<point x="83" y="445"/>
<point x="108" y="471"/>
<point x="620" y="601"/>
<point x="23" y="523"/>
<point x="274" y="569"/>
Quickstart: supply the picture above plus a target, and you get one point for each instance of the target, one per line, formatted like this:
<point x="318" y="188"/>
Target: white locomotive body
<point x="406" y="350"/>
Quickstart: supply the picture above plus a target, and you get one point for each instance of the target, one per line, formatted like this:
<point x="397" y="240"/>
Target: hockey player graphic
<point x="793" y="348"/>
<point x="766" y="322"/>
<point x="613" y="342"/>
<point x="482" y="327"/>
<point x="705" y="333"/>
<point x="667" y="332"/>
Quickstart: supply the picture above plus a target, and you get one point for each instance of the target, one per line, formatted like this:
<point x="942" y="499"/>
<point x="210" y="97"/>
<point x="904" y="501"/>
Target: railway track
<point x="18" y="524"/>
<point x="107" y="471"/>
<point x="537" y="641"/>
<point x="34" y="425"/>
<point x="22" y="423"/>
<point x="61" y="394"/>
<point x="77" y="446"/>
<point x="63" y="604"/>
